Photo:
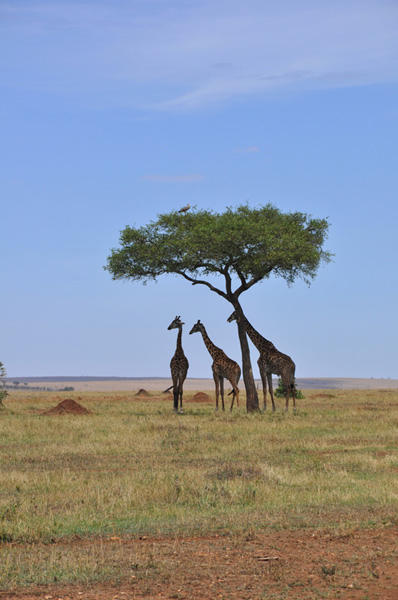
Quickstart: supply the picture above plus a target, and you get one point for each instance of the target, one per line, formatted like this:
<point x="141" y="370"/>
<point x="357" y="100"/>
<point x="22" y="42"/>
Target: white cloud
<point x="177" y="55"/>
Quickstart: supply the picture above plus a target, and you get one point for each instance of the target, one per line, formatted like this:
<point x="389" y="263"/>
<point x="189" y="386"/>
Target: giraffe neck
<point x="258" y="340"/>
<point x="213" y="350"/>
<point x="179" y="340"/>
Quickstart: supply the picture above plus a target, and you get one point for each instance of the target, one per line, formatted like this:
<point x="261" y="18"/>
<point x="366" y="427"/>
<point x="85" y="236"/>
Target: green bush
<point x="281" y="393"/>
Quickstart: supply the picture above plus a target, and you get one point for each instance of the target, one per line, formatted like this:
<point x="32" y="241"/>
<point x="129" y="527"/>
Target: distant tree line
<point x="15" y="385"/>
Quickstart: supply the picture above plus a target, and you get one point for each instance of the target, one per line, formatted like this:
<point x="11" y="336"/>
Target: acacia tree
<point x="242" y="246"/>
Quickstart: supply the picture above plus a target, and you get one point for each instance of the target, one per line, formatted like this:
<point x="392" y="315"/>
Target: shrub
<point x="280" y="390"/>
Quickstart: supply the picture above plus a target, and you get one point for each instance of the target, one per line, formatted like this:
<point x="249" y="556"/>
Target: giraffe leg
<point x="181" y="390"/>
<point x="293" y="388"/>
<point x="271" y="391"/>
<point x="286" y="385"/>
<point x="237" y="394"/>
<point x="234" y="395"/>
<point x="180" y="396"/>
<point x="264" y="382"/>
<point x="175" y="393"/>
<point x="217" y="384"/>
<point x="222" y="392"/>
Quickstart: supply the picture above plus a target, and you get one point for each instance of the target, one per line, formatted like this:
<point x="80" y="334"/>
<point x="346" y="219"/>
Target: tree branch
<point x="200" y="282"/>
<point x="228" y="282"/>
<point x="205" y="265"/>
<point x="240" y="275"/>
<point x="247" y="285"/>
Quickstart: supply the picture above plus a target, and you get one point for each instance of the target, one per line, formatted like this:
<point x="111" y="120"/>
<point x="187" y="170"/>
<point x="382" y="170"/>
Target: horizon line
<point x="136" y="378"/>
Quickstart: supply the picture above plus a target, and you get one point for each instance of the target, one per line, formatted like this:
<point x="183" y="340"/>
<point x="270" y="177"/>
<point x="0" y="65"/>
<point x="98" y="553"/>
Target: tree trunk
<point x="248" y="378"/>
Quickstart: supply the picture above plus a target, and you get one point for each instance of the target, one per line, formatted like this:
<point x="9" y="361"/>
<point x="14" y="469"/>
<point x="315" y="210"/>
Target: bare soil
<point x="142" y="393"/>
<point x="201" y="397"/>
<point x="298" y="565"/>
<point x="68" y="407"/>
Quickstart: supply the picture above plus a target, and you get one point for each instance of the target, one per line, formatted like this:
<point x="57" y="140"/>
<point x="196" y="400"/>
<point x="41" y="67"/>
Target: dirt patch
<point x="201" y="397"/>
<point x="299" y="565"/>
<point x="68" y="407"/>
<point x="142" y="393"/>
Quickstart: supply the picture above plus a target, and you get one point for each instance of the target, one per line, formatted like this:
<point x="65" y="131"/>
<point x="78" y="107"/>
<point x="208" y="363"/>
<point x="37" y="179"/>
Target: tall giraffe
<point x="271" y="361"/>
<point x="222" y="367"/>
<point x="178" y="365"/>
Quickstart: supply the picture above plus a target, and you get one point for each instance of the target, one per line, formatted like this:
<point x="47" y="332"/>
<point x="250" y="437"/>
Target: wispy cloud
<point x="173" y="55"/>
<point x="192" y="178"/>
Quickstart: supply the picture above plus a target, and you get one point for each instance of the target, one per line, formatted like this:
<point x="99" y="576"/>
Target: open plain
<point x="130" y="500"/>
<point x="158" y="384"/>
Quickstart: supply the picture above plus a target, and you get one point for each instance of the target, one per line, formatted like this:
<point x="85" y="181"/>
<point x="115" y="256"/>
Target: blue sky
<point x="113" y="112"/>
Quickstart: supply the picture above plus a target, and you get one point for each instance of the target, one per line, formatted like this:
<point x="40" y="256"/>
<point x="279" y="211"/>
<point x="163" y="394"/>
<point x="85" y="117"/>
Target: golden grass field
<point x="116" y="501"/>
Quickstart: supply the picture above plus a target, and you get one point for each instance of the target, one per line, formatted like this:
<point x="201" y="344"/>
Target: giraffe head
<point x="198" y="327"/>
<point x="233" y="317"/>
<point x="176" y="324"/>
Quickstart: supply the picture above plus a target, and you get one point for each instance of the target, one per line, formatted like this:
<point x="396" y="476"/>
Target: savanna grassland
<point x="133" y="501"/>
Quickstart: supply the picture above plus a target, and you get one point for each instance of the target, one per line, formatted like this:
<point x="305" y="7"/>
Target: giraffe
<point x="270" y="361"/>
<point x="178" y="365"/>
<point x="222" y="367"/>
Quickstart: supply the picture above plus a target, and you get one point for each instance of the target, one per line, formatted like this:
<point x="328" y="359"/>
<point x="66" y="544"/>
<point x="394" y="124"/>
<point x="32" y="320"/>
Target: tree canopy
<point x="247" y="243"/>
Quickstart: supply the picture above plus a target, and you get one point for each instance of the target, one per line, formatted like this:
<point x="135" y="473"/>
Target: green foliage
<point x="245" y="243"/>
<point x="280" y="391"/>
<point x="3" y="392"/>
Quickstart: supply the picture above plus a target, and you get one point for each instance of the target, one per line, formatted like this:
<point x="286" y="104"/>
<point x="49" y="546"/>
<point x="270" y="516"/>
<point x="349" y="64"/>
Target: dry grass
<point x="133" y="467"/>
